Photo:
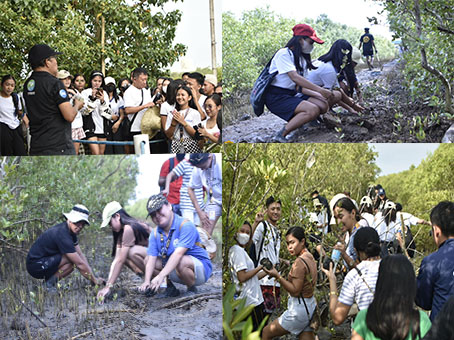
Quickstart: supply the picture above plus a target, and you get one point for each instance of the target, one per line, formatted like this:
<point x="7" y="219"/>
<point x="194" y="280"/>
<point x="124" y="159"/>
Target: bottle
<point x="336" y="254"/>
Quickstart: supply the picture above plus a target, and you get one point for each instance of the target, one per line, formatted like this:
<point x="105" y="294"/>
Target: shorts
<point x="100" y="135"/>
<point x="368" y="53"/>
<point x="45" y="267"/>
<point x="213" y="210"/>
<point x="271" y="298"/>
<point x="190" y="215"/>
<point x="295" y="319"/>
<point x="77" y="133"/>
<point x="283" y="102"/>
<point x="198" y="271"/>
<point x="89" y="126"/>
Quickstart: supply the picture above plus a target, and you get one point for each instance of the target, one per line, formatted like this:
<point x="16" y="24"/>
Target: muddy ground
<point x="390" y="116"/>
<point x="73" y="313"/>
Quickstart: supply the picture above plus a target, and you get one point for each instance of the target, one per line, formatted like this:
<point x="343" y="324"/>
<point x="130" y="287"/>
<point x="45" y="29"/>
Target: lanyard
<point x="164" y="247"/>
<point x="181" y="126"/>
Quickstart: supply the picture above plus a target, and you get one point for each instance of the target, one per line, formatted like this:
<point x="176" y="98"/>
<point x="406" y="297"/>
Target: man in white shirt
<point x="267" y="240"/>
<point x="195" y="81"/>
<point x="137" y="100"/>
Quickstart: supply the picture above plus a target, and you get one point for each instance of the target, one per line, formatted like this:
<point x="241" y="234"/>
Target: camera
<point x="326" y="263"/>
<point x="157" y="97"/>
<point x="266" y="263"/>
<point x="197" y="135"/>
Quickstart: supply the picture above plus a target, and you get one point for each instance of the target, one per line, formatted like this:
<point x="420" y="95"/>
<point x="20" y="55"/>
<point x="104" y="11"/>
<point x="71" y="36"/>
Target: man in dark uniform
<point x="49" y="109"/>
<point x="367" y="42"/>
<point x="56" y="252"/>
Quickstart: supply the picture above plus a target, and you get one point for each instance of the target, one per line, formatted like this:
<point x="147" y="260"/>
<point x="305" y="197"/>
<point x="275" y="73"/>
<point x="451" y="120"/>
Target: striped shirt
<point x="354" y="289"/>
<point x="184" y="169"/>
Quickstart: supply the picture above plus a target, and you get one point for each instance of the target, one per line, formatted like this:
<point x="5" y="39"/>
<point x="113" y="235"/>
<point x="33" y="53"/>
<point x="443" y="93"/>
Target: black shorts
<point x="100" y="135"/>
<point x="45" y="267"/>
<point x="368" y="53"/>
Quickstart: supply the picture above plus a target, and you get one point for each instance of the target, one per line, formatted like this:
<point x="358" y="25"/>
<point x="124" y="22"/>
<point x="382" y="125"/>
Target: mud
<point x="73" y="313"/>
<point x="390" y="116"/>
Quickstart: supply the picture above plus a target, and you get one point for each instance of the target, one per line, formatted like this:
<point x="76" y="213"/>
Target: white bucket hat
<point x="110" y="209"/>
<point x="211" y="78"/>
<point x="77" y="214"/>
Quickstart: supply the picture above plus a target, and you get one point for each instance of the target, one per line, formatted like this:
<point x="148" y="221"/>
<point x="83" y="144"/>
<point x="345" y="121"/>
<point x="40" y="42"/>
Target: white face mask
<point x="242" y="238"/>
<point x="164" y="89"/>
<point x="307" y="47"/>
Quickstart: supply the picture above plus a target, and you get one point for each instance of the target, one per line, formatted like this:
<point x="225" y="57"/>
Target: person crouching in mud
<point x="174" y="251"/>
<point x="55" y="253"/>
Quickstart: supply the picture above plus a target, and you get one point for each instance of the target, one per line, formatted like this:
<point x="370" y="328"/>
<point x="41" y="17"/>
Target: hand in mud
<point x="102" y="294"/>
<point x="156" y="282"/>
<point x="144" y="286"/>
<point x="330" y="271"/>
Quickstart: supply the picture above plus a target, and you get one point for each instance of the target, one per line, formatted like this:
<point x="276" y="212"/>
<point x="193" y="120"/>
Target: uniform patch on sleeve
<point x="31" y="85"/>
<point x="63" y="94"/>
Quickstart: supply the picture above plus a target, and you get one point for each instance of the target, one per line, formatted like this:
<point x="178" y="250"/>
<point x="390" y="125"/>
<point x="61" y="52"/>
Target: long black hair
<point x="95" y="74"/>
<point x="340" y="54"/>
<point x="172" y="88"/>
<point x="191" y="101"/>
<point x="295" y="45"/>
<point x="298" y="233"/>
<point x="348" y="205"/>
<point x="138" y="227"/>
<point x="367" y="240"/>
<point x="391" y="314"/>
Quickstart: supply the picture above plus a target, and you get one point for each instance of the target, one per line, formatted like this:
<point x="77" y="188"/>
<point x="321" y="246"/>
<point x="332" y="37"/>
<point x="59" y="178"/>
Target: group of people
<point x="380" y="285"/>
<point x="301" y="90"/>
<point x="172" y="251"/>
<point x="60" y="109"/>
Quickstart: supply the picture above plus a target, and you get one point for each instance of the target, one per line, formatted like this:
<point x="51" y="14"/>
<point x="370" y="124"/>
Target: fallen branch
<point x="23" y="304"/>
<point x="102" y="311"/>
<point x="192" y="299"/>
<point x="81" y="335"/>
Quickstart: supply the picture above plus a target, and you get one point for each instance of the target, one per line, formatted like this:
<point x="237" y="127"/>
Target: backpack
<point x="262" y="83"/>
<point x="252" y="251"/>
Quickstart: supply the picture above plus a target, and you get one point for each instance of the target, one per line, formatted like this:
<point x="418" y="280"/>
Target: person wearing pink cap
<point x="291" y="96"/>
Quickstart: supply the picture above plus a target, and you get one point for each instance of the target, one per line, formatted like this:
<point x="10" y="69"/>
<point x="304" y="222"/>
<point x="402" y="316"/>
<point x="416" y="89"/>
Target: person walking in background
<point x="368" y="45"/>
<point x="173" y="195"/>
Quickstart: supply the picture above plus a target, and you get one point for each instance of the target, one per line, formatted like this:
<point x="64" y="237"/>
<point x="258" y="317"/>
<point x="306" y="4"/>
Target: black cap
<point x="155" y="203"/>
<point x="40" y="52"/>
<point x="197" y="158"/>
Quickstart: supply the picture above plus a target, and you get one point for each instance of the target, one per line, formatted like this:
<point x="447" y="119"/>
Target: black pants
<point x="11" y="141"/>
<point x="257" y="316"/>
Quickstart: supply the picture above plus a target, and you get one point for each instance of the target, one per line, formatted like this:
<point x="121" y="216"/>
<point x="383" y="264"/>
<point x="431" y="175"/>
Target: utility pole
<point x="213" y="39"/>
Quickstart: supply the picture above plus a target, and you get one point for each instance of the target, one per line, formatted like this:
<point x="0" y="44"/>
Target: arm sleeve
<point x="347" y="294"/>
<point x="328" y="76"/>
<point x="257" y="237"/>
<point x="164" y="169"/>
<point x="129" y="99"/>
<point x="238" y="260"/>
<point x="179" y="169"/>
<point x="152" y="244"/>
<point x="66" y="244"/>
<point x="284" y="62"/>
<point x="59" y="93"/>
<point x="424" y="293"/>
<point x="196" y="180"/>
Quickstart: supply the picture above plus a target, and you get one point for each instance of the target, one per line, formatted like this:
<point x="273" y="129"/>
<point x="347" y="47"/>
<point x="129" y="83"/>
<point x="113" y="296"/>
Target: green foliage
<point x="251" y="173"/>
<point x="133" y="35"/>
<point x="436" y="38"/>
<point x="249" y="42"/>
<point x="138" y="209"/>
<point x="35" y="191"/>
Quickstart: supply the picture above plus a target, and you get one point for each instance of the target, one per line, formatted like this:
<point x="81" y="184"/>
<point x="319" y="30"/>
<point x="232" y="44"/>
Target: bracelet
<point x="333" y="293"/>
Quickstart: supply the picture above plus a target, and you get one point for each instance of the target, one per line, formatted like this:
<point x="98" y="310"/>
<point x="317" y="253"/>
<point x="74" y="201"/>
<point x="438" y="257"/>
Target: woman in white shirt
<point x="179" y="125"/>
<point x="96" y="109"/>
<point x="117" y="106"/>
<point x="329" y="68"/>
<point x="244" y="275"/>
<point x="210" y="129"/>
<point x="12" y="140"/>
<point x="291" y="96"/>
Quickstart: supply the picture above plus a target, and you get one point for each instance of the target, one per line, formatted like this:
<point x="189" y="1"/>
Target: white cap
<point x="110" y="209"/>
<point x="366" y="200"/>
<point x="390" y="205"/>
<point x="109" y="80"/>
<point x="211" y="78"/>
<point x="63" y="74"/>
<point x="77" y="214"/>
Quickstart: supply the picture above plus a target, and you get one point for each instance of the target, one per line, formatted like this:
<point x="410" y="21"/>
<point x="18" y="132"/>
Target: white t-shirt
<point x="210" y="179"/>
<point x="166" y="109"/>
<point x="369" y="218"/>
<point x="283" y="63"/>
<point x="8" y="112"/>
<point x="202" y="102"/>
<point x="271" y="248"/>
<point x="96" y="114"/>
<point x="77" y="122"/>
<point x="185" y="169"/>
<point x="322" y="219"/>
<point x="325" y="75"/>
<point x="191" y="116"/>
<point x="387" y="233"/>
<point x="250" y="289"/>
<point x="133" y="98"/>
<point x="115" y="106"/>
<point x="409" y="219"/>
<point x="214" y="131"/>
<point x="355" y="290"/>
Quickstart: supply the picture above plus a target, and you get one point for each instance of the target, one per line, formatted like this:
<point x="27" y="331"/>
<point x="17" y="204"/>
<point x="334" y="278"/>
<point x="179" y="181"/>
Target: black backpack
<point x="252" y="251"/>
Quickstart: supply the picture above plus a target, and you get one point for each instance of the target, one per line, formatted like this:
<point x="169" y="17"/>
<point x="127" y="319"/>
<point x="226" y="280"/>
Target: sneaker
<point x="51" y="282"/>
<point x="171" y="291"/>
<point x="192" y="290"/>
<point x="279" y="138"/>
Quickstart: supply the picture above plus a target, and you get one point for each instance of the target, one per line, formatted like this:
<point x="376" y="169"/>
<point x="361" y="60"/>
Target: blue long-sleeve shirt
<point x="436" y="279"/>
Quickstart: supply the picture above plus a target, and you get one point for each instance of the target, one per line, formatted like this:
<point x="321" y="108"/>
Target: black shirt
<point x="367" y="40"/>
<point x="51" y="133"/>
<point x="56" y="240"/>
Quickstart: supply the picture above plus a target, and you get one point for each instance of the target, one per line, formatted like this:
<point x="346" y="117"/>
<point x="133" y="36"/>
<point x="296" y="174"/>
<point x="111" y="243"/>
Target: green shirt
<point x="360" y="326"/>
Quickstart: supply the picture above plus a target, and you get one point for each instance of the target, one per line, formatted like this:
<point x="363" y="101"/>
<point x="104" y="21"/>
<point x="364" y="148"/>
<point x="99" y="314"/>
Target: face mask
<point x="307" y="47"/>
<point x="164" y="89"/>
<point x="242" y="238"/>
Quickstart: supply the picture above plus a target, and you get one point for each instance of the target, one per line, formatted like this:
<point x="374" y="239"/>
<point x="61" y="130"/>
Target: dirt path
<point x="73" y="313"/>
<point x="390" y="116"/>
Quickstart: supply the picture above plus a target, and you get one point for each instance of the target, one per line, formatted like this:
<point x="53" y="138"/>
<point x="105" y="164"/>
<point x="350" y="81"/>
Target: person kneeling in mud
<point x="174" y="250"/>
<point x="130" y="240"/>
<point x="55" y="253"/>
